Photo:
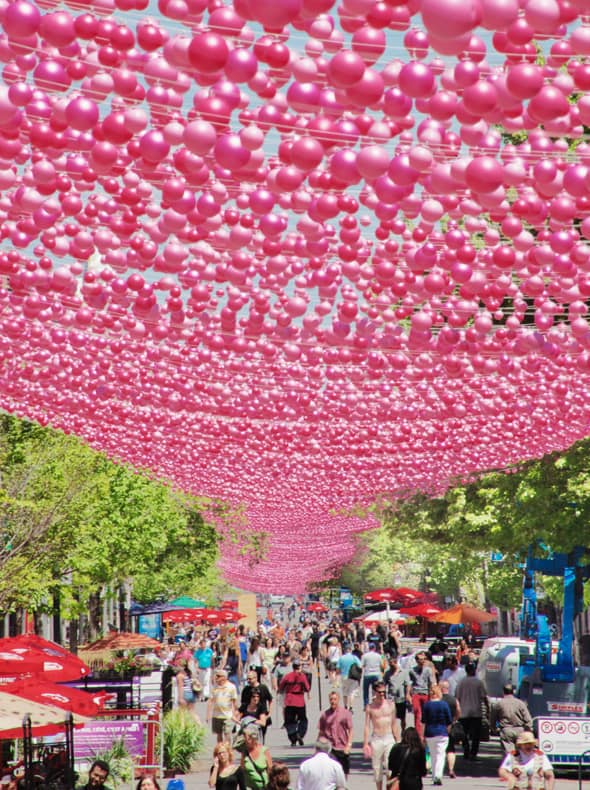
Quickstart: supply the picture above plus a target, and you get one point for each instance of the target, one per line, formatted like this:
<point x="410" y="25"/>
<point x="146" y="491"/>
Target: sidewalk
<point x="472" y="776"/>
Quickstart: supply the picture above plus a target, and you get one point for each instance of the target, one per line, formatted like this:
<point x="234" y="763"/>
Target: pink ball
<point x="417" y="80"/>
<point x="524" y="80"/>
<point x="480" y="98"/>
<point x="543" y="16"/>
<point x="82" y="114"/>
<point x="208" y="52"/>
<point x="304" y="96"/>
<point x="306" y="153"/>
<point x="450" y="18"/>
<point x="241" y="65"/>
<point x="275" y="15"/>
<point x="580" y="40"/>
<point x="21" y="19"/>
<point x="369" y="43"/>
<point x="230" y="153"/>
<point x="498" y="14"/>
<point x="58" y="29"/>
<point x="368" y="90"/>
<point x="372" y="161"/>
<point x="153" y="146"/>
<point x="345" y="68"/>
<point x="548" y="104"/>
<point x="484" y="174"/>
<point x="199" y="137"/>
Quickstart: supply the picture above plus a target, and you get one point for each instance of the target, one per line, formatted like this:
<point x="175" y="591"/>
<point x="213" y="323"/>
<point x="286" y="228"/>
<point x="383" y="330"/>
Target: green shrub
<point x="183" y="739"/>
<point x="120" y="764"/>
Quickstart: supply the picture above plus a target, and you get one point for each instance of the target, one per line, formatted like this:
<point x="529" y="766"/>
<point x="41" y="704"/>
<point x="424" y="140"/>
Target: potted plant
<point x="183" y="740"/>
<point x="120" y="763"/>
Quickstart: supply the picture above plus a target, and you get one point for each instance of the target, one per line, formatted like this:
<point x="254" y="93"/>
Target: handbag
<point x="355" y="672"/>
<point x="457" y="733"/>
<point x="196" y="685"/>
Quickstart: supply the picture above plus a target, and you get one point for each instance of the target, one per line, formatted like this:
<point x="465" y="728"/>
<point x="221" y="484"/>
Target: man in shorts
<point x="382" y="730"/>
<point x="222" y="708"/>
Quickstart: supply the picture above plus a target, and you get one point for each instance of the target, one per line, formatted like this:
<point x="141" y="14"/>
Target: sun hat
<point x="525" y="737"/>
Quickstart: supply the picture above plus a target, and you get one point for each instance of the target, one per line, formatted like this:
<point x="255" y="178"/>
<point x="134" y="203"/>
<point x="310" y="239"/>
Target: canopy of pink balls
<point x="298" y="257"/>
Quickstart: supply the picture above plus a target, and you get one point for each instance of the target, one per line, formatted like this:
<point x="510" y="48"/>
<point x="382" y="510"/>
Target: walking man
<point x="381" y="732"/>
<point x="471" y="694"/>
<point x="321" y="772"/>
<point x="295" y="686"/>
<point x="512" y="718"/>
<point x="335" y="725"/>
<point x="421" y="679"/>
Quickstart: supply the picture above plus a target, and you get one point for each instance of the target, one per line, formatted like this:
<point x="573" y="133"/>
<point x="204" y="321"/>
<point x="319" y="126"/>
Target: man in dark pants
<point x="295" y="686"/>
<point x="335" y="725"/>
<point x="471" y="695"/>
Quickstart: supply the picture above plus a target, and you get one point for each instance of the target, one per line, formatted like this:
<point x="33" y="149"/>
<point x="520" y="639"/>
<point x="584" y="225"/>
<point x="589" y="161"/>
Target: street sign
<point x="565" y="739"/>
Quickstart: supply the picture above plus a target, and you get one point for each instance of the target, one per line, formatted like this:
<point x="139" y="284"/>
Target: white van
<point x="500" y="661"/>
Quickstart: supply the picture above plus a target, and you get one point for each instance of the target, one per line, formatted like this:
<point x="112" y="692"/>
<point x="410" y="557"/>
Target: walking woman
<point x="225" y="774"/>
<point x="437" y="720"/>
<point x="407" y="762"/>
<point x="256" y="762"/>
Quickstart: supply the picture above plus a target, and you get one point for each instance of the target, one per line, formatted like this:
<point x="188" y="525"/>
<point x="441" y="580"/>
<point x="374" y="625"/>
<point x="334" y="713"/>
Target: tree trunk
<point x="95" y="615"/>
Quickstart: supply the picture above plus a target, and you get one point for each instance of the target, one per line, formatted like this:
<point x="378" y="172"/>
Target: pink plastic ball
<point x="208" y="52"/>
<point x="21" y="19"/>
<point x="345" y="69"/>
<point x="153" y="146"/>
<point x="498" y="14"/>
<point x="484" y="174"/>
<point x="58" y="28"/>
<point x="542" y="15"/>
<point x="199" y="137"/>
<point x="275" y="16"/>
<point x="450" y="18"/>
<point x="417" y="80"/>
<point x="241" y="65"/>
<point x="524" y="80"/>
<point x="82" y="114"/>
<point x="230" y="153"/>
<point x="548" y="104"/>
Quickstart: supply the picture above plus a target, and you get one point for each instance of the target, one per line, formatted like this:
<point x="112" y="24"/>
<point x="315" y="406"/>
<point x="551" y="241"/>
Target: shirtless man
<point x="382" y="730"/>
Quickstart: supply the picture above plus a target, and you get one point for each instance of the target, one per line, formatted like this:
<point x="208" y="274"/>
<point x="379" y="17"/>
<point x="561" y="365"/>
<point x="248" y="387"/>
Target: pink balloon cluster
<point x="298" y="258"/>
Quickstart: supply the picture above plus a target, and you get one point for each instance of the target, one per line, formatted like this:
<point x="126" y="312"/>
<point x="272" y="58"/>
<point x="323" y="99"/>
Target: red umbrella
<point x="384" y="595"/>
<point x="80" y="703"/>
<point x="59" y="663"/>
<point x="203" y="615"/>
<point x="420" y="610"/>
<point x="30" y="654"/>
<point x="408" y="594"/>
<point x="316" y="606"/>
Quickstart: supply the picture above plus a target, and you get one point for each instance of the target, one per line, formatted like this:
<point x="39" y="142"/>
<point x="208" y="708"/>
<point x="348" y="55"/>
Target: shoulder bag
<point x="355" y="672"/>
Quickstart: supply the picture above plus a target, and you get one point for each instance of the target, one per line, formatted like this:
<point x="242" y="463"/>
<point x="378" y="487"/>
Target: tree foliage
<point x="74" y="522"/>
<point x="446" y="543"/>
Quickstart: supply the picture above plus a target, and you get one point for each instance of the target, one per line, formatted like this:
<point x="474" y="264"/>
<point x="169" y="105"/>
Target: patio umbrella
<point x="421" y="610"/>
<point x="463" y="613"/>
<point x="101" y="649"/>
<point x="407" y="594"/>
<point x="316" y="606"/>
<point x="384" y="595"/>
<point x="82" y="704"/>
<point x="53" y="660"/>
<point x="382" y="617"/>
<point x="182" y="615"/>
<point x="45" y="719"/>
<point x="185" y="602"/>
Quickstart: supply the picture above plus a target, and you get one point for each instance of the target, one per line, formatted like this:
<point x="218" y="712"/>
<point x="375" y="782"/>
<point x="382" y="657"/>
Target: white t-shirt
<point x="320" y="772"/>
<point x="371" y="663"/>
<point x="528" y="762"/>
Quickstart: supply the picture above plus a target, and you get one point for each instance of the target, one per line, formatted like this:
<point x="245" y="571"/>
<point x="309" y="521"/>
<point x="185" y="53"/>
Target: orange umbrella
<point x="463" y="613"/>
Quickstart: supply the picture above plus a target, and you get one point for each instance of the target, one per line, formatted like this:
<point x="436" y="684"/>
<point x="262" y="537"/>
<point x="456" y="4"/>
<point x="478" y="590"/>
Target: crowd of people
<point x="247" y="679"/>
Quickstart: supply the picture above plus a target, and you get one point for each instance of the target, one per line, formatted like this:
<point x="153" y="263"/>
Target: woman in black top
<point x="407" y="761"/>
<point x="225" y="774"/>
<point x="255" y="711"/>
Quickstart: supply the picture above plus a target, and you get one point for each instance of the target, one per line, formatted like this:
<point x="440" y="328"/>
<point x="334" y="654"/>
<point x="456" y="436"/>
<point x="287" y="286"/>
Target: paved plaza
<point x="481" y="774"/>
